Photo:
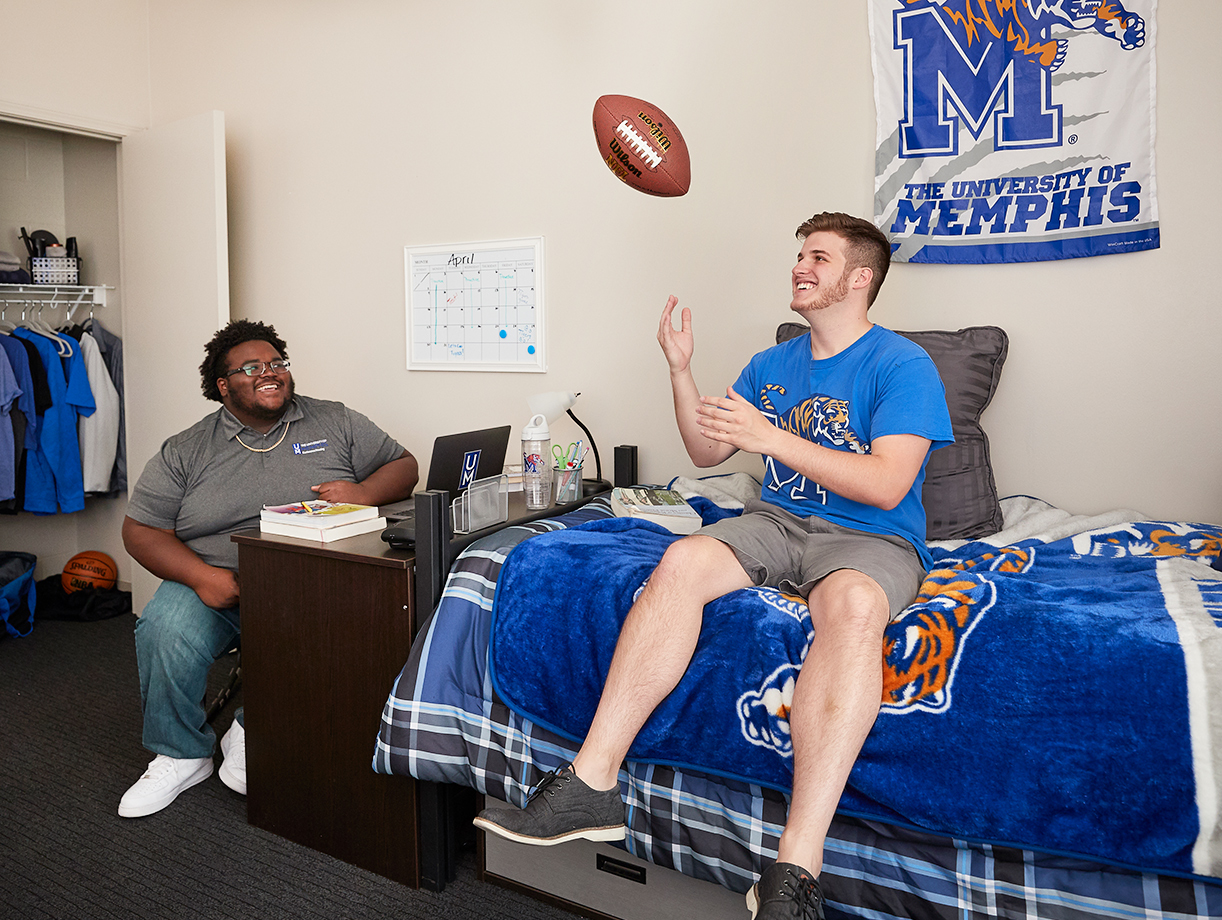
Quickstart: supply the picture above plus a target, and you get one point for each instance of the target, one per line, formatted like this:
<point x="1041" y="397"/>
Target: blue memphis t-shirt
<point x="882" y="384"/>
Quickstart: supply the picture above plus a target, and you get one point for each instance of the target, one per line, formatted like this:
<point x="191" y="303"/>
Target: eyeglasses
<point x="255" y="368"/>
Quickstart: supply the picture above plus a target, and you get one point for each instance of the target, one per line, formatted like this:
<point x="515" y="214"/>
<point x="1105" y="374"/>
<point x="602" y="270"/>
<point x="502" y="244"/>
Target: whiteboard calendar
<point x="476" y="306"/>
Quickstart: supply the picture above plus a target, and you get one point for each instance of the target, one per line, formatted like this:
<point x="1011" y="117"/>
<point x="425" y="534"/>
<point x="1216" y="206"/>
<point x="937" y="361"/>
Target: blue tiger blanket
<point x="1062" y="695"/>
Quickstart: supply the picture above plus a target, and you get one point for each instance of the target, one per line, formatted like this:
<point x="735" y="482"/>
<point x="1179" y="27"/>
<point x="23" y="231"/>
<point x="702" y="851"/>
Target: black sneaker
<point x="785" y="892"/>
<point x="560" y="808"/>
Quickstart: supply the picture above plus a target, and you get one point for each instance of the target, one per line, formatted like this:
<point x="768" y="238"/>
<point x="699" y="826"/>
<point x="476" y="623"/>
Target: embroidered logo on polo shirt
<point x="310" y="447"/>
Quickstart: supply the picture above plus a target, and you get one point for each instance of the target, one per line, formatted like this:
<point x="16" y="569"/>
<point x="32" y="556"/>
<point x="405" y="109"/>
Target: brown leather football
<point x="642" y="146"/>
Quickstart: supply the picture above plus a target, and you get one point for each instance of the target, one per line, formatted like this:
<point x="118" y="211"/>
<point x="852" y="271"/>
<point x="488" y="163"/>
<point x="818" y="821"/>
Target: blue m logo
<point x="971" y="59"/>
<point x="947" y="80"/>
<point x="470" y="463"/>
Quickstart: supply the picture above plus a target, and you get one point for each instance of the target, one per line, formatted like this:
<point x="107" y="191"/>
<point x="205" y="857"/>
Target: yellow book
<point x="318" y="514"/>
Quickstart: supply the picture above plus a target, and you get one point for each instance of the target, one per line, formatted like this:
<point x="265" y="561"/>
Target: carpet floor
<point x="70" y="729"/>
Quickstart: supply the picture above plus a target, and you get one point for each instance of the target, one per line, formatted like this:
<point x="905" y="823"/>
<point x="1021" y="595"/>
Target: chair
<point x="230" y="685"/>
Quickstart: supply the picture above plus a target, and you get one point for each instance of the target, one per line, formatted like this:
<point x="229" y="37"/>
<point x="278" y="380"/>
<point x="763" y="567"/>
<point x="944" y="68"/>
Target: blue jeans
<point x="178" y="637"/>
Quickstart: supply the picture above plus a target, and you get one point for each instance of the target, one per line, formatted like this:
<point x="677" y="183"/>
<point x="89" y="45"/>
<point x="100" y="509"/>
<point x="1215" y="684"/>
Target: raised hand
<point x="678" y="345"/>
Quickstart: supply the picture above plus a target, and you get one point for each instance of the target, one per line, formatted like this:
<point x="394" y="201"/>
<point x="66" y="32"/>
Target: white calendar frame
<point x="475" y="306"/>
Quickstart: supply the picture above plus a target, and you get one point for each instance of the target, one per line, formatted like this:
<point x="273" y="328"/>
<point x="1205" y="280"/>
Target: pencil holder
<point x="568" y="484"/>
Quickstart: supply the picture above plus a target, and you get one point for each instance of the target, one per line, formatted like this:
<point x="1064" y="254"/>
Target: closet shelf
<point x="54" y="295"/>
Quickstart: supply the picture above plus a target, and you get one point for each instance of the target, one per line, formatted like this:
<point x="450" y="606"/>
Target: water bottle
<point x="536" y="470"/>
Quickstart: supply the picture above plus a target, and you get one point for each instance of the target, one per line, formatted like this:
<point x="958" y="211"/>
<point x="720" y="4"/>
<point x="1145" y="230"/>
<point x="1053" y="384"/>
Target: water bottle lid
<point x="536" y="429"/>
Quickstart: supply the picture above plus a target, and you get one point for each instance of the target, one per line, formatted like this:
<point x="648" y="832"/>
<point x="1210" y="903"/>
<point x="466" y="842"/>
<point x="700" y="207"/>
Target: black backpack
<point x="54" y="603"/>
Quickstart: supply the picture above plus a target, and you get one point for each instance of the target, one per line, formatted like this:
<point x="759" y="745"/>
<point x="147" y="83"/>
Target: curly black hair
<point x="236" y="333"/>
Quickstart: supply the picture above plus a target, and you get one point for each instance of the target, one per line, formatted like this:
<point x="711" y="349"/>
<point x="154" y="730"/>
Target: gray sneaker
<point x="560" y="808"/>
<point x="785" y="892"/>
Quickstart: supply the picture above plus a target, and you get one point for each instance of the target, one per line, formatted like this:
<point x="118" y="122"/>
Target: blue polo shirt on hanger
<point x="10" y="391"/>
<point x="53" y="480"/>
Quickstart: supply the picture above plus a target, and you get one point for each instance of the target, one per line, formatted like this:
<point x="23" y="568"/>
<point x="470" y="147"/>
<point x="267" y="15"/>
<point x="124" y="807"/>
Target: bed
<point x="1049" y="742"/>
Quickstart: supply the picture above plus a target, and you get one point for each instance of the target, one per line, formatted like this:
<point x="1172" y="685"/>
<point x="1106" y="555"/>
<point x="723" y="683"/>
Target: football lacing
<point x="639" y="145"/>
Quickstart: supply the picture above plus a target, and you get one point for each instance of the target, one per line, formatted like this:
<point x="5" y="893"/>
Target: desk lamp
<point x="552" y="404"/>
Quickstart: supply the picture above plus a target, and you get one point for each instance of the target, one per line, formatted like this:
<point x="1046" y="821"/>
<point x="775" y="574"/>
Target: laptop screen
<point x="460" y="459"/>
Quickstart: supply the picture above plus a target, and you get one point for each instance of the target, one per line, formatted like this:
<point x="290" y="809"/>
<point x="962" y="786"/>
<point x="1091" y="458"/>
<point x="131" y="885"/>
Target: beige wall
<point x="77" y="63"/>
<point x="355" y="129"/>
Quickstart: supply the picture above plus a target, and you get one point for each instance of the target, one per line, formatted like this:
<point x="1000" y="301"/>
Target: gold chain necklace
<point x="263" y="450"/>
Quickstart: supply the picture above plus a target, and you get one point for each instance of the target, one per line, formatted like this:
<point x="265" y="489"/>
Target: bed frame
<point x="884" y="870"/>
<point x="595" y="880"/>
<point x="446" y="810"/>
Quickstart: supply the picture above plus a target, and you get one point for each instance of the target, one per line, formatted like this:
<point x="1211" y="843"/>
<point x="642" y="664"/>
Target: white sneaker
<point x="161" y="783"/>
<point x="233" y="767"/>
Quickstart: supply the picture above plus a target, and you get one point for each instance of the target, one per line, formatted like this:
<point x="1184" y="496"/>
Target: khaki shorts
<point x="781" y="550"/>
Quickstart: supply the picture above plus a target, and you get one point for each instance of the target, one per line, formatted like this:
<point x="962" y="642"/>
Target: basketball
<point x="90" y="569"/>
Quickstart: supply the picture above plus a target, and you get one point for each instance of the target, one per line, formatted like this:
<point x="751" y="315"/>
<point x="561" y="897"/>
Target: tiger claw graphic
<point x="923" y="646"/>
<point x="764" y="713"/>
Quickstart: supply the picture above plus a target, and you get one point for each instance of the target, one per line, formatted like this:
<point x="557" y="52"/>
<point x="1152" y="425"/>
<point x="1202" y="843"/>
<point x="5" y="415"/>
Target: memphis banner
<point x="1014" y="130"/>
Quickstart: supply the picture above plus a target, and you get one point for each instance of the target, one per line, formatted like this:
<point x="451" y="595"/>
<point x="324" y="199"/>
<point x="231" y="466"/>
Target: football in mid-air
<point x="642" y="146"/>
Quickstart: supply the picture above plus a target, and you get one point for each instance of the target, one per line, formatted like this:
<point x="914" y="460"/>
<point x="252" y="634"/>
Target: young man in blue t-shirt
<point x="845" y="418"/>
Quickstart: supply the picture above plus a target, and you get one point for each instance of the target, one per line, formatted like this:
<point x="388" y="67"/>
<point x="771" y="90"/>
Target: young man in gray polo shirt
<point x="265" y="445"/>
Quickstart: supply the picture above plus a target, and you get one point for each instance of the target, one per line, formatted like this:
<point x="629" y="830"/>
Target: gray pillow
<point x="960" y="494"/>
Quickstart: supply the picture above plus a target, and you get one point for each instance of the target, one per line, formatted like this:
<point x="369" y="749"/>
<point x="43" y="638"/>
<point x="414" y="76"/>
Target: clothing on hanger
<point x="53" y="479"/>
<point x="10" y="391"/>
<point x="111" y="347"/>
<point x="99" y="432"/>
<point x="61" y="414"/>
<point x="63" y="345"/>
<point x="22" y="416"/>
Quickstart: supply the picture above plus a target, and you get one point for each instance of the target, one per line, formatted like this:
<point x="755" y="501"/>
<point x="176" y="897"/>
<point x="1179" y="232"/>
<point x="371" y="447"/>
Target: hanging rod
<point x="54" y="295"/>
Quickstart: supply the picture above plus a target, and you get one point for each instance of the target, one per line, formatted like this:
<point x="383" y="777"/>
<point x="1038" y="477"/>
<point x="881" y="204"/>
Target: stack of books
<point x="662" y="506"/>
<point x="320" y="521"/>
<point x="513" y="477"/>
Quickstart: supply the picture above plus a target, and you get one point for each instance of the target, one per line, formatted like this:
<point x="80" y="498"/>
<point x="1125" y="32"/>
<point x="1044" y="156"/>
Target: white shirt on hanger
<point x="99" y="433"/>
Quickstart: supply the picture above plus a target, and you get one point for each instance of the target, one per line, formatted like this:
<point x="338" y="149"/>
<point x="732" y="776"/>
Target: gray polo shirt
<point x="204" y="485"/>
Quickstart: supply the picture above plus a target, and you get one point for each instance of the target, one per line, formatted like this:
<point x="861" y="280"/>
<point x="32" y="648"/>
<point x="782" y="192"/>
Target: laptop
<point x="458" y="460"/>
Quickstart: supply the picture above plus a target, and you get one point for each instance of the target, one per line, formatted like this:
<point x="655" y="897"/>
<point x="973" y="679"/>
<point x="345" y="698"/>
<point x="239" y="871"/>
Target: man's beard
<point x="261" y="412"/>
<point x="827" y="296"/>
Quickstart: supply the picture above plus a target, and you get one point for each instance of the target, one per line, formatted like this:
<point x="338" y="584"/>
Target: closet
<point x="148" y="210"/>
<point x="52" y="457"/>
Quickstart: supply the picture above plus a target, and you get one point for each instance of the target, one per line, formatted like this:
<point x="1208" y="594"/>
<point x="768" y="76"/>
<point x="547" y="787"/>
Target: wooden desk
<point x="326" y="628"/>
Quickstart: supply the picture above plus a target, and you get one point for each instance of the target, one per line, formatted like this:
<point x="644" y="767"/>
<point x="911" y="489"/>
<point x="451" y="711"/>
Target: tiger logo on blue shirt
<point x="820" y="419"/>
